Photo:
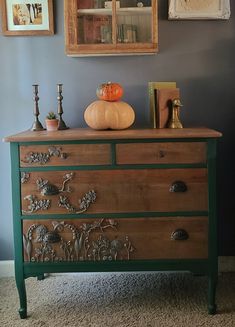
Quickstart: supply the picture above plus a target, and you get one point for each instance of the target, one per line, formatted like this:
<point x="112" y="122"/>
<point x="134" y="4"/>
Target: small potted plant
<point x="52" y="121"/>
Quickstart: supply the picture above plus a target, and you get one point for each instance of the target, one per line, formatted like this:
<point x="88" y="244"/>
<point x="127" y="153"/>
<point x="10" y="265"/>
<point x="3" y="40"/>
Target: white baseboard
<point x="7" y="268"/>
<point x="226" y="264"/>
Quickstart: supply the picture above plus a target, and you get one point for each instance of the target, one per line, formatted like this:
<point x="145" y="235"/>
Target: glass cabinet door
<point x="103" y="27"/>
<point x="94" y="22"/>
<point x="134" y="21"/>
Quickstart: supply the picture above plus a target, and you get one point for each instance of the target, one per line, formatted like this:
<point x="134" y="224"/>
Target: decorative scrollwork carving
<point x="36" y="204"/>
<point x="24" y="177"/>
<point x="80" y="247"/>
<point x="84" y="203"/>
<point x="43" y="158"/>
<point x="50" y="189"/>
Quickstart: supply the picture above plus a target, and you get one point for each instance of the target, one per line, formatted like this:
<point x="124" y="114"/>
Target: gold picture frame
<point x="27" y="17"/>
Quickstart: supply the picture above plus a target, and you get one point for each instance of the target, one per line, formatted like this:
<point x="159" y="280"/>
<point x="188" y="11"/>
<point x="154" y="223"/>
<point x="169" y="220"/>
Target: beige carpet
<point x="119" y="300"/>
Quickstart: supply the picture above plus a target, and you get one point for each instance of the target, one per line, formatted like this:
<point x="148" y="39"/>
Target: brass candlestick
<point x="37" y="126"/>
<point x="61" y="124"/>
<point x="175" y="120"/>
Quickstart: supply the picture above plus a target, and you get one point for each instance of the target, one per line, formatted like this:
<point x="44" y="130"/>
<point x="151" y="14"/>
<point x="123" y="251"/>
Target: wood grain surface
<point x="149" y="237"/>
<point x="89" y="134"/>
<point x="139" y="190"/>
<point x="157" y="153"/>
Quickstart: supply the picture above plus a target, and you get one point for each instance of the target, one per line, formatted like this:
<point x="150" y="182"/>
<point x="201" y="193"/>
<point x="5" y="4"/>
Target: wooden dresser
<point x="132" y="200"/>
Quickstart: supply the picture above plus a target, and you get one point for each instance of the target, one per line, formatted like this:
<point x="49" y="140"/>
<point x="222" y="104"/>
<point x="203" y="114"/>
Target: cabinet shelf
<point x="104" y="31"/>
<point x="121" y="11"/>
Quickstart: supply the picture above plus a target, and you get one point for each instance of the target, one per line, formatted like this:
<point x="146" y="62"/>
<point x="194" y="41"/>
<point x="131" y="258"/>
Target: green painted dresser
<point x="131" y="200"/>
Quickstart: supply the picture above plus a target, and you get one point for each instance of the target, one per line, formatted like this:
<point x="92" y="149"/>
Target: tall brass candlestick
<point x="37" y="126"/>
<point x="62" y="124"/>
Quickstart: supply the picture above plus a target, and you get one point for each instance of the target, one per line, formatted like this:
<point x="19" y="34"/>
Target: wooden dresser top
<point x="89" y="134"/>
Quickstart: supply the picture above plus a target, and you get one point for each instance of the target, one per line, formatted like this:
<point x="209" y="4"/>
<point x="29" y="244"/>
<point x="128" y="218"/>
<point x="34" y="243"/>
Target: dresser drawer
<point x="115" y="239"/>
<point x="161" y="153"/>
<point x="115" y="191"/>
<point x="65" y="155"/>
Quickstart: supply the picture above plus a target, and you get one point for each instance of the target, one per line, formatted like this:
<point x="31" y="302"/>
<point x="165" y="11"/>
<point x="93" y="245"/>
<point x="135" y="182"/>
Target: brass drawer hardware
<point x="36" y="204"/>
<point x="44" y="157"/>
<point x="48" y="189"/>
<point x="51" y="189"/>
<point x="38" y="243"/>
<point x="179" y="235"/>
<point x="44" y="204"/>
<point x="84" y="203"/>
<point x="178" y="187"/>
<point x="24" y="177"/>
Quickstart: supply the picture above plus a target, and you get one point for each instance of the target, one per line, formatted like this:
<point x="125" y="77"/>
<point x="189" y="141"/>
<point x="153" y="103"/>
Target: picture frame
<point x="199" y="9"/>
<point x="27" y="17"/>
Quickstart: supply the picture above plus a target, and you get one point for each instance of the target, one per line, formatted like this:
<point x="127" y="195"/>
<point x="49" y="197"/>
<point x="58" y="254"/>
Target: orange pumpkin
<point x="109" y="115"/>
<point x="109" y="91"/>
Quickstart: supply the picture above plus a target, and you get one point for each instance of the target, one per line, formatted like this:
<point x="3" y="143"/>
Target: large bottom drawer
<point x="115" y="239"/>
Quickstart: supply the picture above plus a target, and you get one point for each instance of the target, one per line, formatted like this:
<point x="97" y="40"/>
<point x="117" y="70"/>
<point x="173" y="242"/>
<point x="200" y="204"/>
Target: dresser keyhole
<point x="161" y="154"/>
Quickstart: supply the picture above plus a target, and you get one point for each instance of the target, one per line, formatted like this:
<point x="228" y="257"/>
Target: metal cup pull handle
<point x="178" y="187"/>
<point x="179" y="235"/>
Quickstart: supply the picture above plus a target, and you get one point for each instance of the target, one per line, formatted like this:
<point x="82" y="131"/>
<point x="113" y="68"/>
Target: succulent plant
<point x="51" y="115"/>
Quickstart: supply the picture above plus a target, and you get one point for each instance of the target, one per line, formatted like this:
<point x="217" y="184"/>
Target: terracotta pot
<point x="52" y="124"/>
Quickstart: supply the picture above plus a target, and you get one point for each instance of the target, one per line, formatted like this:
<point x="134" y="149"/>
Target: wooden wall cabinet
<point x="99" y="27"/>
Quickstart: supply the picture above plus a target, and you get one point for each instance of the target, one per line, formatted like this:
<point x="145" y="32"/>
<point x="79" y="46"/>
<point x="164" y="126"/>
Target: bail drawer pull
<point x="179" y="235"/>
<point x="178" y="187"/>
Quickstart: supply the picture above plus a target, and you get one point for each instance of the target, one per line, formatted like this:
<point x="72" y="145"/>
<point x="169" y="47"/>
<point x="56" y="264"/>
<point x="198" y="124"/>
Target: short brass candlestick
<point x="62" y="124"/>
<point x="175" y="120"/>
<point x="37" y="126"/>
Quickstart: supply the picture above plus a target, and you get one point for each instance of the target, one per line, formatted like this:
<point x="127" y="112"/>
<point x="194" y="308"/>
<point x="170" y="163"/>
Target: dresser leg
<point x="20" y="283"/>
<point x="212" y="282"/>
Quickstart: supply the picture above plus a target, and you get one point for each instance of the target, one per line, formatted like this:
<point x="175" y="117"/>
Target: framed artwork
<point x="27" y="17"/>
<point x="199" y="9"/>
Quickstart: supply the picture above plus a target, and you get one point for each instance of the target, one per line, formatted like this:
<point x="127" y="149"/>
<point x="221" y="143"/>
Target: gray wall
<point x="198" y="55"/>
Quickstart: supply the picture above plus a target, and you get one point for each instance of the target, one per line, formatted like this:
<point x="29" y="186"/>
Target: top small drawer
<point x="161" y="153"/>
<point x="65" y="155"/>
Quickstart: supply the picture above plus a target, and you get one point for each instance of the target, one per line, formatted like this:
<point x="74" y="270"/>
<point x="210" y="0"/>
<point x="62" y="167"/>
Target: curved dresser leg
<point x="212" y="283"/>
<point x="20" y="283"/>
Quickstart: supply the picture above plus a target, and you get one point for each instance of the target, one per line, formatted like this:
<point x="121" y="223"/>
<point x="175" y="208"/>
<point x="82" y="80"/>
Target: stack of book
<point x="106" y="33"/>
<point x="127" y="33"/>
<point x="161" y="95"/>
<point x="86" y="4"/>
<point x="94" y="29"/>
